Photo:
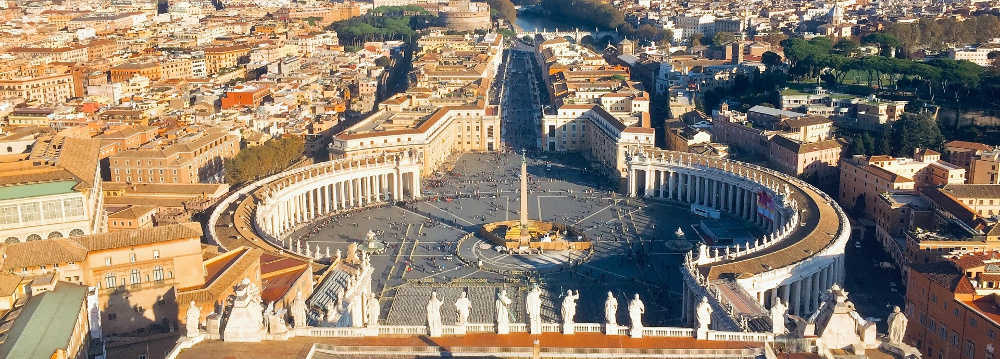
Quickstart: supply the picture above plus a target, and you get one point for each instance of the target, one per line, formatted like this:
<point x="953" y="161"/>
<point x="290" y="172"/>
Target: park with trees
<point x="382" y="24"/>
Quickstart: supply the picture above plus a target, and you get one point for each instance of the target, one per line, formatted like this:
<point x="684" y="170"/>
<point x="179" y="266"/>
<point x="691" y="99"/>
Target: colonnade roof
<point x="822" y="225"/>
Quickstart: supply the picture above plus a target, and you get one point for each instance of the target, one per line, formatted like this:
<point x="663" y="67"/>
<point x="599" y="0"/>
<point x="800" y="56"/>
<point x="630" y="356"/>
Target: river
<point x="531" y="21"/>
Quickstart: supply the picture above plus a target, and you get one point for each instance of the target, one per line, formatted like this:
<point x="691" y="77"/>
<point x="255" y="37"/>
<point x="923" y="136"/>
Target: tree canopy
<point x="504" y="9"/>
<point x="269" y="158"/>
<point x="383" y="23"/>
<point x="586" y="12"/>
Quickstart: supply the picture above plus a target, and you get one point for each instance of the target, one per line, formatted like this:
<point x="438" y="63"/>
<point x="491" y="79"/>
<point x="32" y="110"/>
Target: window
<point x="135" y="276"/>
<point x="131" y="257"/>
<point x="157" y="273"/>
<point x="107" y="260"/>
<point x="156" y="254"/>
<point x="109" y="280"/>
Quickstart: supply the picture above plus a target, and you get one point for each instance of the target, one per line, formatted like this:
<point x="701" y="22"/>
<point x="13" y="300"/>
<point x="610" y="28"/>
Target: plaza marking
<point x="593" y="214"/>
<point x="539" y="200"/>
<point x="451" y="214"/>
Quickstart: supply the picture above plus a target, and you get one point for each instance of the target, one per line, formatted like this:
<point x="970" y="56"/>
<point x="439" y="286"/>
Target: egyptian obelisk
<point x="525" y="236"/>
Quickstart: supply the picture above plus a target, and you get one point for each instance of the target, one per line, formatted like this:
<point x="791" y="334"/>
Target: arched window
<point x="76" y="232"/>
<point x="12" y="240"/>
<point x="55" y="234"/>
<point x="34" y="237"/>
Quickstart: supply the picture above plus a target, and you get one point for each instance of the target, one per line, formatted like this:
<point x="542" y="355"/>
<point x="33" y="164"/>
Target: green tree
<point x="915" y="130"/>
<point x="505" y="8"/>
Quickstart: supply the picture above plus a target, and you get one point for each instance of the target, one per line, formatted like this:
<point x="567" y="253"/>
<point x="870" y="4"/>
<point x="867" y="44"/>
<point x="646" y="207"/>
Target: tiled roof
<point x="43" y="252"/>
<point x="945" y="274"/>
<point x="976" y="146"/>
<point x="226" y="277"/>
<point x="140" y="237"/>
<point x="973" y="190"/>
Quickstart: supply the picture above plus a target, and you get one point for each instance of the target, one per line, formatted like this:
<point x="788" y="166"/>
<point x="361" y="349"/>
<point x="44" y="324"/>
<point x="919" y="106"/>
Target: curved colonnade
<point x="263" y="213"/>
<point x="799" y="256"/>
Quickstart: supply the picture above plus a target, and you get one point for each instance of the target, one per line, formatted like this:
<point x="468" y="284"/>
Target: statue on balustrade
<point x="503" y="316"/>
<point x="373" y="310"/>
<point x="778" y="317"/>
<point x="611" y="311"/>
<point x="299" y="310"/>
<point x="897" y="326"/>
<point x="331" y="312"/>
<point x="356" y="310"/>
<point x="703" y="314"/>
<point x="434" y="326"/>
<point x="463" y="305"/>
<point x="569" y="310"/>
<point x="533" y="304"/>
<point x="192" y="318"/>
<point x="635" y="310"/>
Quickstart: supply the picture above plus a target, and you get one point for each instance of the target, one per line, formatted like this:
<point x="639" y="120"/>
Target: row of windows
<point x="135" y="277"/>
<point x="132" y="257"/>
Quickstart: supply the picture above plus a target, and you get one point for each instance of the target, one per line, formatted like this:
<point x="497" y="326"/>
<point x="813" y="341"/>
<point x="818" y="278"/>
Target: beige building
<point x="192" y="158"/>
<point x="817" y="160"/>
<point x="865" y="178"/>
<point x="981" y="161"/>
<point x="443" y="114"/>
<point x="135" y="271"/>
<point x="221" y="57"/>
<point x="52" y="88"/>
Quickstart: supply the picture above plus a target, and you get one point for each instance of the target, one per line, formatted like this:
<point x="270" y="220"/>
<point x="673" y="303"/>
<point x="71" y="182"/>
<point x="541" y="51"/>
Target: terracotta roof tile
<point x="43" y="252"/>
<point x="143" y="236"/>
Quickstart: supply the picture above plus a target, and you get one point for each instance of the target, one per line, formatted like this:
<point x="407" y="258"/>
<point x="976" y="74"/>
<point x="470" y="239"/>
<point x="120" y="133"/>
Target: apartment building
<point x="981" y="161"/>
<point x="45" y="88"/>
<point x="221" y="57"/>
<point x="863" y="179"/>
<point x="150" y="70"/>
<point x="193" y="157"/>
<point x="953" y="306"/>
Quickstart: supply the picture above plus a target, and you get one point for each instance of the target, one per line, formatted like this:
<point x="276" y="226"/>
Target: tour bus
<point x="705" y="211"/>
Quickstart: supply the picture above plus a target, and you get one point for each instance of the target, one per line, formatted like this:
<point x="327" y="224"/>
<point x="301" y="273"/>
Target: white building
<point x="55" y="192"/>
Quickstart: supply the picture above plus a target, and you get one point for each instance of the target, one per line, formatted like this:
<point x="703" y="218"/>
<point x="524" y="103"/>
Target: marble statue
<point x="193" y="317"/>
<point x="533" y="304"/>
<point x="463" y="306"/>
<point x="373" y="309"/>
<point x="355" y="308"/>
<point x="434" y="326"/>
<point x="245" y="322"/>
<point x="778" y="317"/>
<point x="897" y="326"/>
<point x="503" y="316"/>
<point x="569" y="311"/>
<point x="299" y="310"/>
<point x="635" y="310"/>
<point x="331" y="312"/>
<point x="703" y="317"/>
<point x="275" y="320"/>
<point x="611" y="310"/>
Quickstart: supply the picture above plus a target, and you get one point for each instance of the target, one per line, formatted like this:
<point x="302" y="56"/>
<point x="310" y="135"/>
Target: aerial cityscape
<point x="499" y="179"/>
